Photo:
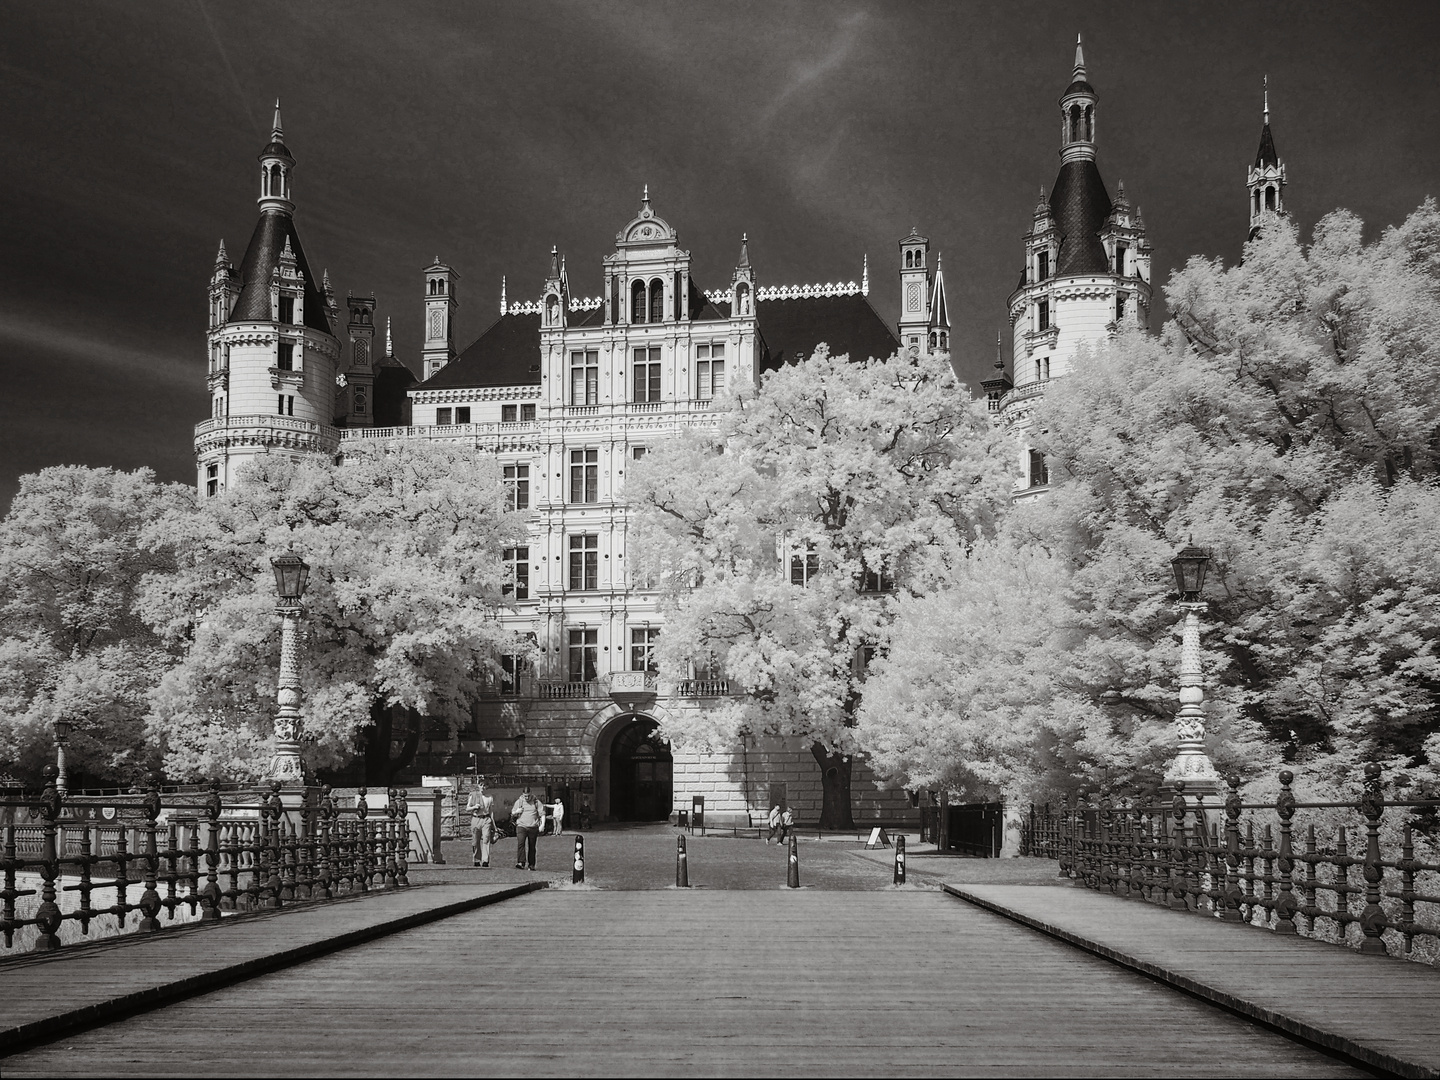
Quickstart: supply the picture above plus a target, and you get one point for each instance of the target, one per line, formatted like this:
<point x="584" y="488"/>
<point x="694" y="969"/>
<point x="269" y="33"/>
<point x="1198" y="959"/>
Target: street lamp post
<point x="62" y="734"/>
<point x="291" y="575"/>
<point x="1191" y="764"/>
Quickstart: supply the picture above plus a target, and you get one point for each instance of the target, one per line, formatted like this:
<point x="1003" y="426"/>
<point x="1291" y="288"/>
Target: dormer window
<point x="287" y="309"/>
<point x="1042" y="266"/>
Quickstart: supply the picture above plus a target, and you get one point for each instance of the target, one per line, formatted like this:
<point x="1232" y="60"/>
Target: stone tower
<point x="440" y="304"/>
<point x="1266" y="179"/>
<point x="273" y="356"/>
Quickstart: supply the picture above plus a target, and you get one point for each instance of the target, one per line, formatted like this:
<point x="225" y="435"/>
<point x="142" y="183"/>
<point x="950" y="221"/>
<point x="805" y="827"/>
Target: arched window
<point x="637" y="302"/>
<point x="944" y="340"/>
<point x="1269" y="198"/>
<point x="1089" y="123"/>
<point x="1074" y="123"/>
<point x="657" y="300"/>
<point x="934" y="339"/>
<point x="919" y="258"/>
<point x="441" y="284"/>
<point x="1257" y="201"/>
<point x="909" y="259"/>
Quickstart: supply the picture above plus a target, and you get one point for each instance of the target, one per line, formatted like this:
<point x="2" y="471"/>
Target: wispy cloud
<point x="27" y="332"/>
<point x="809" y="72"/>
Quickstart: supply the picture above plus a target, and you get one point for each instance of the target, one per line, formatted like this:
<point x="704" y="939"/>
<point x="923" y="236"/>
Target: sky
<point x="486" y="133"/>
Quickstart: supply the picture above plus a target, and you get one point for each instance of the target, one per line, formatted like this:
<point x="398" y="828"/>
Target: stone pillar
<point x="1011" y="829"/>
<point x="285" y="765"/>
<point x="1192" y="764"/>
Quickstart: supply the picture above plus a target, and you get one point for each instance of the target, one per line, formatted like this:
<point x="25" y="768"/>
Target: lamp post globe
<point x="292" y="574"/>
<point x="1191" y="764"/>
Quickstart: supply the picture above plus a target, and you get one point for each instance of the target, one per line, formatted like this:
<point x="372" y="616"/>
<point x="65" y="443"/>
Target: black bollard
<point x="577" y="876"/>
<point x="793" y="878"/>
<point x="682" y="865"/>
<point x="899" y="860"/>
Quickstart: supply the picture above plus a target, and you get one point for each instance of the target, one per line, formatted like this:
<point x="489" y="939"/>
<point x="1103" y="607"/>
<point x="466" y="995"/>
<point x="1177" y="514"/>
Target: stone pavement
<point x="588" y="982"/>
<point x="1381" y="1011"/>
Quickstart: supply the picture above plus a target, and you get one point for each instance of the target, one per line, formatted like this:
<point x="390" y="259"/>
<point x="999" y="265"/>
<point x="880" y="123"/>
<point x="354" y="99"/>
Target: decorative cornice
<point x="795" y="292"/>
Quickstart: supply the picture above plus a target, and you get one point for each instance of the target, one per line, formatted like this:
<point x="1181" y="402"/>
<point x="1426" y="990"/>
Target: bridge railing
<point x="1347" y="872"/>
<point x="209" y="853"/>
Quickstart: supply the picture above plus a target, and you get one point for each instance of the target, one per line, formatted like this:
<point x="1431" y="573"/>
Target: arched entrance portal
<point x="639" y="773"/>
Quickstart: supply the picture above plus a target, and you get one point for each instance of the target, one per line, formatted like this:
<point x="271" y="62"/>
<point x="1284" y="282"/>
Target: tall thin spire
<point x="1079" y="60"/>
<point x="277" y="132"/>
<point x="502" y="294"/>
<point x="999" y="352"/>
<point x="221" y="258"/>
<point x="389" y="338"/>
<point x="744" y="250"/>
<point x="865" y="275"/>
<point x="1267" y="100"/>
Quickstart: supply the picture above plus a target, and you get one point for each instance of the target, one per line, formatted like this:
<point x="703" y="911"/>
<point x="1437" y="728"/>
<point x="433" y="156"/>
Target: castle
<point x="566" y="391"/>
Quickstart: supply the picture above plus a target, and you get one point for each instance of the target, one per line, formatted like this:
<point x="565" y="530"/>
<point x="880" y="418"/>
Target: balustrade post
<point x="11" y="864"/>
<point x="192" y="879"/>
<point x="1372" y="919"/>
<point x="1286" y="905"/>
<point x="1233" y="895"/>
<point x="402" y="838"/>
<point x="1312" y="857"/>
<point x="150" y="898"/>
<point x="173" y="857"/>
<point x="1176" y="847"/>
<point x="362" y="842"/>
<point x="210" y="899"/>
<point x="48" y="917"/>
<point x="389" y="841"/>
<point x="271" y="810"/>
<point x="1342" y="862"/>
<point x="122" y="881"/>
<point x="86" y="913"/>
<point x="1407" y="888"/>
<point x="287" y="860"/>
<point x="326" y="821"/>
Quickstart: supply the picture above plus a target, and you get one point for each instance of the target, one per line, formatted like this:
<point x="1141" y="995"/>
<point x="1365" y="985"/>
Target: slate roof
<point x="1080" y="204"/>
<point x="390" y="404"/>
<point x="261" y="258"/>
<point x="508" y="352"/>
<point x="1266" y="154"/>
<point x="790" y="329"/>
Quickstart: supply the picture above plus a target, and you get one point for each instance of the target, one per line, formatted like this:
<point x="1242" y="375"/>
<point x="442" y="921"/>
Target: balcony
<point x="631" y="688"/>
<point x="286" y="432"/>
<point x="702" y="688"/>
<point x="476" y="432"/>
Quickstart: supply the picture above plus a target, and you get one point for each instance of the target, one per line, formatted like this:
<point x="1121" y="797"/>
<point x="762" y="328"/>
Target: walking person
<point x="787" y="822"/>
<point x="526" y="816"/>
<point x="557" y="815"/>
<point x="481" y="808"/>
<point x="774" y="823"/>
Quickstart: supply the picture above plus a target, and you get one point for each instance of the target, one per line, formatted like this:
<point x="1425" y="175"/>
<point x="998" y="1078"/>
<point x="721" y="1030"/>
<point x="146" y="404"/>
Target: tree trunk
<point x="835" y="788"/>
<point x="379" y="743"/>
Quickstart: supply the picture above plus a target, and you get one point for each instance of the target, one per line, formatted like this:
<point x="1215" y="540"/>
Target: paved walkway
<point x="708" y="982"/>
<point x="48" y="995"/>
<point x="1383" y="1011"/>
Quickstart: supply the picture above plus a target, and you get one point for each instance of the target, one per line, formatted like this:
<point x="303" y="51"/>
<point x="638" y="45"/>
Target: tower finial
<point x="277" y="133"/>
<point x="554" y="261"/>
<point x="389" y="338"/>
<point x="221" y="258"/>
<point x="1267" y="99"/>
<point x="744" y="251"/>
<point x="999" y="352"/>
<point x="865" y="275"/>
<point x="502" y="294"/>
<point x="645" y="198"/>
<point x="1079" y="57"/>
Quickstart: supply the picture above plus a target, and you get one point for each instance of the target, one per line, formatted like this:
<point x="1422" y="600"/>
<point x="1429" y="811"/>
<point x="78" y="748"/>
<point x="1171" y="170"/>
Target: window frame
<point x="583" y="644"/>
<point x="643" y="641"/>
<point x="518" y="560"/>
<point x="516" y="478"/>
<point x="585" y="376"/>
<point x="646" y="368"/>
<point x="584" y="476"/>
<point x="584" y="562"/>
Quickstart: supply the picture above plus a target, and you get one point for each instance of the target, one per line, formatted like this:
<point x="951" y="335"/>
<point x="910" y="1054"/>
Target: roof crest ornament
<point x="865" y="274"/>
<point x="502" y="294"/>
<point x="389" y="338"/>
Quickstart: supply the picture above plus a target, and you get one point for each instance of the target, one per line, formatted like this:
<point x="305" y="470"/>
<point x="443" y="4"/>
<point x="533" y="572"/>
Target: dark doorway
<point x="640" y="770"/>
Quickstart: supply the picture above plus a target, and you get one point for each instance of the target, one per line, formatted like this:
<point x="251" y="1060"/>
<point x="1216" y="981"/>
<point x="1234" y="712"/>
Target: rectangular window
<point x="1119" y="306"/>
<point x="462" y="414"/>
<point x="709" y="371"/>
<point x="863" y="655"/>
<point x="517" y="487"/>
<point x="212" y="480"/>
<point x="1120" y="250"/>
<point x="287" y="309"/>
<point x="513" y="668"/>
<point x="804" y="565"/>
<point x="517" y="565"/>
<point x="584" y="652"/>
<point x="584" y="562"/>
<point x="527" y="413"/>
<point x="1039" y="473"/>
<point x="647" y="375"/>
<point x="876" y="581"/>
<point x="286" y="359"/>
<point x="1042" y="315"/>
<point x="584" y="476"/>
<point x="585" y="377"/>
<point x="508" y="414"/>
<point x="281" y="407"/>
<point x="642" y="648"/>
<point x="637" y="452"/>
<point x="442" y="416"/>
<point x="1042" y="266"/>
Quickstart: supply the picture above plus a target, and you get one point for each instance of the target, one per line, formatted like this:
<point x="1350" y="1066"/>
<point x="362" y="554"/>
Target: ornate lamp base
<point x="285" y="765"/>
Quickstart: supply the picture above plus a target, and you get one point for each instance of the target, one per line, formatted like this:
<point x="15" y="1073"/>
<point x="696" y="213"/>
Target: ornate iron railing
<point x="240" y="851"/>
<point x="1243" y="862"/>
